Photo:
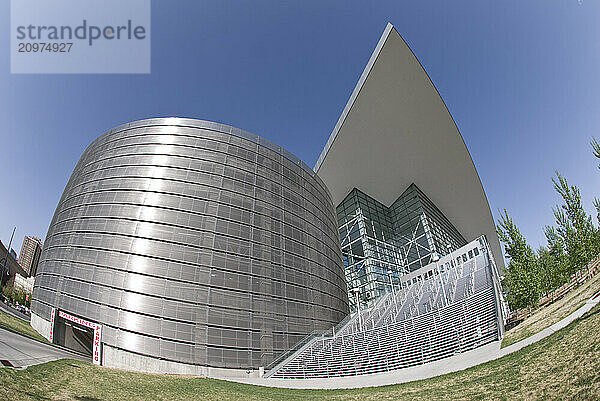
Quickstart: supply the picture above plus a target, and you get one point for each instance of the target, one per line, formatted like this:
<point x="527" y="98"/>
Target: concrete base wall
<point x="40" y="325"/>
<point x="120" y="359"/>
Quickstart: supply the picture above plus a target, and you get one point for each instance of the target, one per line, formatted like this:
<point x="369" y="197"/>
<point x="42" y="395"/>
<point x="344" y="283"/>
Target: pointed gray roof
<point x="396" y="130"/>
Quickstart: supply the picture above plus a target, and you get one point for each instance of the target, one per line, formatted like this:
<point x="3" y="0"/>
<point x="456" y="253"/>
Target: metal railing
<point x="416" y="325"/>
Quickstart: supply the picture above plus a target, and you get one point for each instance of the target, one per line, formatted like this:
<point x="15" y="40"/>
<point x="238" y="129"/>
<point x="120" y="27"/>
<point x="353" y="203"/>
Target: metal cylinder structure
<point x="191" y="243"/>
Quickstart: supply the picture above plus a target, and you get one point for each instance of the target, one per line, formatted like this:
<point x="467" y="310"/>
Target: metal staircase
<point x="440" y="310"/>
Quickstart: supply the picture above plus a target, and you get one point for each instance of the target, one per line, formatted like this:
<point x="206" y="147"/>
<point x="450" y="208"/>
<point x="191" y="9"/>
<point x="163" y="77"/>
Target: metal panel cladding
<point x="194" y="242"/>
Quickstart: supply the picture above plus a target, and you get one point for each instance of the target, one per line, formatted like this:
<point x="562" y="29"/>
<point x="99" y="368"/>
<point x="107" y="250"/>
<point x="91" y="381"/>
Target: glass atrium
<point x="380" y="244"/>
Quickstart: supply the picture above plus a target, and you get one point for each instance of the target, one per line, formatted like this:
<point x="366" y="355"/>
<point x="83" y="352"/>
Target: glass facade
<point x="194" y="242"/>
<point x="380" y="244"/>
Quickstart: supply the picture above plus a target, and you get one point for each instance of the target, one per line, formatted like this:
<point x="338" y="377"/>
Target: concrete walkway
<point x="453" y="364"/>
<point x="20" y="351"/>
<point x="593" y="301"/>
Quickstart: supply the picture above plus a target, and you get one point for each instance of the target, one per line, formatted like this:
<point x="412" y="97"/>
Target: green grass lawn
<point x="565" y="365"/>
<point x="553" y="313"/>
<point x="12" y="322"/>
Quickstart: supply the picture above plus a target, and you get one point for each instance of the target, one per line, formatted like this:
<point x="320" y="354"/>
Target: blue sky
<point x="519" y="77"/>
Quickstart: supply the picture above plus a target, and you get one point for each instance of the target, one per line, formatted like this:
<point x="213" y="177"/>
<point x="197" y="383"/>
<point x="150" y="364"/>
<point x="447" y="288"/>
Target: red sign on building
<point x="52" y="314"/>
<point x="97" y="342"/>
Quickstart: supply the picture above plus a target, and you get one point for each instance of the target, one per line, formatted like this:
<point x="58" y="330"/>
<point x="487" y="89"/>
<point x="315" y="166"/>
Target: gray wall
<point x="194" y="242"/>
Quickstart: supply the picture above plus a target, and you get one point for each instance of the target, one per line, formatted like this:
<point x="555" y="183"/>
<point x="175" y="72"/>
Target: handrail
<point x="323" y="353"/>
<point x="275" y="364"/>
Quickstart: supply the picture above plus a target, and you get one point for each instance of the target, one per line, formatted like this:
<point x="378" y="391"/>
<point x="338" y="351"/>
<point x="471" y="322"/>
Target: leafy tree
<point x="574" y="225"/>
<point x="545" y="268"/>
<point x="596" y="149"/>
<point x="17" y="295"/>
<point x="560" y="263"/>
<point x="551" y="271"/>
<point x="571" y="244"/>
<point x="522" y="281"/>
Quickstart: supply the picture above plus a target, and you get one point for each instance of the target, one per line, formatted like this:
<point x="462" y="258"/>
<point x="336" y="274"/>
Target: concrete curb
<point x="589" y="304"/>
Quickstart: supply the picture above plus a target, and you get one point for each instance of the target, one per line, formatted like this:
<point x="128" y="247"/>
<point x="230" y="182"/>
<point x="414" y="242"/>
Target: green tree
<point x="546" y="269"/>
<point x="574" y="225"/>
<point x="596" y="149"/>
<point x="560" y="263"/>
<point x="522" y="280"/>
<point x="17" y="295"/>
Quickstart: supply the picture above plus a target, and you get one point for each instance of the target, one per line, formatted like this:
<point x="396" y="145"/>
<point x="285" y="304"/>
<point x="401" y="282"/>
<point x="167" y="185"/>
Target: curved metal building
<point x="183" y="246"/>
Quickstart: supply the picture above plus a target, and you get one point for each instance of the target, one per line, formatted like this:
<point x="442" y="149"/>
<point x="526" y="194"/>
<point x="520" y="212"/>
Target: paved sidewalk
<point x="453" y="364"/>
<point x="21" y="351"/>
<point x="590" y="303"/>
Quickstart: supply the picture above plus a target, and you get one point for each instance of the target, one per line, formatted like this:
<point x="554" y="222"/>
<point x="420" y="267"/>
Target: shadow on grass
<point x="84" y="398"/>
<point x="590" y="313"/>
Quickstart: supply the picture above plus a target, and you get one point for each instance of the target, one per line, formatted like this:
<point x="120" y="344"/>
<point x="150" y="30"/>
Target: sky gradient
<point x="520" y="79"/>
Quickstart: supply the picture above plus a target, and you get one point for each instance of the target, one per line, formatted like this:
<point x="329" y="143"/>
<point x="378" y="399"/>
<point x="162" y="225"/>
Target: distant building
<point x="30" y="254"/>
<point x="25" y="283"/>
<point x="9" y="266"/>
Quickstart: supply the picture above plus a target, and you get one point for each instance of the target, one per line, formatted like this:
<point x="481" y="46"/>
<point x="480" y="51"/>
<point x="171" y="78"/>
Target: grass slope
<point x="12" y="322"/>
<point x="562" y="366"/>
<point x="553" y="313"/>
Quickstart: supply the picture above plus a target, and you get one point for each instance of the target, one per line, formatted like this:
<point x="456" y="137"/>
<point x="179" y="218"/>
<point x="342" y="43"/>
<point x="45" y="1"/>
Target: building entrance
<point x="74" y="336"/>
<point x="77" y="334"/>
